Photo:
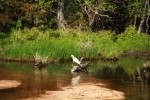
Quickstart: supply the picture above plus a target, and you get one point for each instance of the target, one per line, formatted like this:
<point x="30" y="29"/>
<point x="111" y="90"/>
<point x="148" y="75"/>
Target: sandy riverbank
<point x="84" y="91"/>
<point x="5" y="84"/>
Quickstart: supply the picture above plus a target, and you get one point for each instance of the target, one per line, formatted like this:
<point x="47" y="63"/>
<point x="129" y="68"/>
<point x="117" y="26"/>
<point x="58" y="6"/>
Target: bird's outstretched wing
<point x="75" y="60"/>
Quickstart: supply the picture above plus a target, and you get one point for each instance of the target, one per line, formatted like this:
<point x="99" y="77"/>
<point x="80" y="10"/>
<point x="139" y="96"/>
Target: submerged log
<point x="40" y="61"/>
<point x="147" y="64"/>
<point x="85" y="66"/>
<point x="75" y="68"/>
<point x="80" y="68"/>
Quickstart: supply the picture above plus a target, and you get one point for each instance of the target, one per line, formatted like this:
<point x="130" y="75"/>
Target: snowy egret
<point x="76" y="60"/>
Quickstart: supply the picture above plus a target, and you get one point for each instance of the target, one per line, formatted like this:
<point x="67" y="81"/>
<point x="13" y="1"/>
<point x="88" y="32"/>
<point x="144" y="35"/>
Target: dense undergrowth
<point x="23" y="44"/>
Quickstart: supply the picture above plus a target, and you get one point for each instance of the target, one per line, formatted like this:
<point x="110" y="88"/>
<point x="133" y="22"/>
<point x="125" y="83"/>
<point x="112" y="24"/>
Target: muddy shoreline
<point x="134" y="54"/>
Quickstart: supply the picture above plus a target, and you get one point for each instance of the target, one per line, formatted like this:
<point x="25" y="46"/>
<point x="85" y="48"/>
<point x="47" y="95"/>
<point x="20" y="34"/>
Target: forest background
<point x="59" y="28"/>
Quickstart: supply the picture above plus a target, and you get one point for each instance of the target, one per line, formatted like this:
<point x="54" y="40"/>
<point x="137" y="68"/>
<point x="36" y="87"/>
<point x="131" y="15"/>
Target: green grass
<point x="23" y="44"/>
<point x="130" y="40"/>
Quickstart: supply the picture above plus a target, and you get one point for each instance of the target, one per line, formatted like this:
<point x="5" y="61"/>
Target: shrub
<point x="131" y="40"/>
<point x="61" y="44"/>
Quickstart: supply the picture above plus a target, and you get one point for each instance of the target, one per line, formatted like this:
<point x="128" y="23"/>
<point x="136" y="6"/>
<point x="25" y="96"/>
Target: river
<point x="121" y="76"/>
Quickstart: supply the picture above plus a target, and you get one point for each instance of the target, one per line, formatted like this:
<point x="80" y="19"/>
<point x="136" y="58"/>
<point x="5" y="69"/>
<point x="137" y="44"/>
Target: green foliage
<point x="42" y="14"/>
<point x="3" y="35"/>
<point x="18" y="24"/>
<point x="24" y="43"/>
<point x="54" y="33"/>
<point x="100" y="4"/>
<point x="105" y="45"/>
<point x="61" y="44"/>
<point x="135" y="9"/>
<point x="131" y="40"/>
<point x="56" y="49"/>
<point x="24" y="35"/>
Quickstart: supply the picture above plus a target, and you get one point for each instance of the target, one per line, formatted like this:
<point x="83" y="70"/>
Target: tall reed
<point x="61" y="44"/>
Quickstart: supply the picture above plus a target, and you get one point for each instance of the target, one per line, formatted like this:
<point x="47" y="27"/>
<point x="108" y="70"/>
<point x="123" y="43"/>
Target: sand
<point x="5" y="84"/>
<point x="84" y="91"/>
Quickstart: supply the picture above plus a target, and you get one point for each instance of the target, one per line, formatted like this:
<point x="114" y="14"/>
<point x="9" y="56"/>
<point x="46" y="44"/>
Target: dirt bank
<point x="135" y="54"/>
<point x="84" y="91"/>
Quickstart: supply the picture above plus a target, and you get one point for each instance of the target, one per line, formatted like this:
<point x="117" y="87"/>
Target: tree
<point x="139" y="9"/>
<point x="9" y="12"/>
<point x="60" y="15"/>
<point x="96" y="10"/>
<point x="144" y="4"/>
<point x="95" y="15"/>
<point x="74" y="16"/>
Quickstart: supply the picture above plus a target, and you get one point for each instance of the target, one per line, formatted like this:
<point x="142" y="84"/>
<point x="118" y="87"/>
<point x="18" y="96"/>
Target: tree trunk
<point x="147" y="24"/>
<point x="141" y="24"/>
<point x="143" y="17"/>
<point x="91" y="16"/>
<point x="60" y="15"/>
<point x="135" y="19"/>
<point x="148" y="15"/>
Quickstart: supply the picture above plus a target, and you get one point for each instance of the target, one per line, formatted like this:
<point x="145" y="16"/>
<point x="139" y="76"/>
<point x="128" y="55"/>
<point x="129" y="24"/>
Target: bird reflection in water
<point x="76" y="78"/>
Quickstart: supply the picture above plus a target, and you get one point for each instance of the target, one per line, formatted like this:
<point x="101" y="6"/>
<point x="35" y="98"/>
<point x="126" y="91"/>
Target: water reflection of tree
<point x="144" y="90"/>
<point x="129" y="65"/>
<point x="40" y="77"/>
<point x="116" y="73"/>
<point x="123" y="75"/>
<point x="143" y="76"/>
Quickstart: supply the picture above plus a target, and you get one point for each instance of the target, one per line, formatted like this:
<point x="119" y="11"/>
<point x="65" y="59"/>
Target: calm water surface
<point x="121" y="76"/>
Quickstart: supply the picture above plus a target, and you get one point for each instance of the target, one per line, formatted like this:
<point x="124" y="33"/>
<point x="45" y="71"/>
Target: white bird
<point x="76" y="60"/>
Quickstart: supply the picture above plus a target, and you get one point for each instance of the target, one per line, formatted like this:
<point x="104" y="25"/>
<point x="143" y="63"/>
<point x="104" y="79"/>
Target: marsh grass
<point x="61" y="44"/>
<point x="131" y="40"/>
<point x="61" y="48"/>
